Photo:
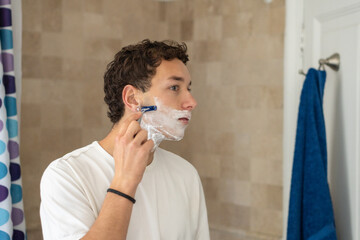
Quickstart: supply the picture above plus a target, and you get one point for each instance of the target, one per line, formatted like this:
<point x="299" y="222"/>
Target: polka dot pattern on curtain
<point x="12" y="220"/>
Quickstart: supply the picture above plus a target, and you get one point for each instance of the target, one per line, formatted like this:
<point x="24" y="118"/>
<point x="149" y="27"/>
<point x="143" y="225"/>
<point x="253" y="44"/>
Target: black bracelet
<point x="121" y="194"/>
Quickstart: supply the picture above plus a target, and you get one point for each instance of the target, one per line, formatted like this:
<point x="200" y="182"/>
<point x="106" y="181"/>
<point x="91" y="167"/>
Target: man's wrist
<point x="125" y="186"/>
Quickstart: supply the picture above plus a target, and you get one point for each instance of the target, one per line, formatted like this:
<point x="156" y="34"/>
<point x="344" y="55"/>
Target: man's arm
<point x="131" y="153"/>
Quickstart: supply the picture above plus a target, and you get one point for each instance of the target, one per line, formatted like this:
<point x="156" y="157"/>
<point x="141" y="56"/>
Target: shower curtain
<point x="12" y="221"/>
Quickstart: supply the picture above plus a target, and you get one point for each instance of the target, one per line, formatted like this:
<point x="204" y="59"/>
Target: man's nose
<point x="189" y="103"/>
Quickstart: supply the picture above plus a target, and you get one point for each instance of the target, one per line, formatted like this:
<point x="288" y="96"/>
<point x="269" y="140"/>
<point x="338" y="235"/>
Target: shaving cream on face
<point x="164" y="123"/>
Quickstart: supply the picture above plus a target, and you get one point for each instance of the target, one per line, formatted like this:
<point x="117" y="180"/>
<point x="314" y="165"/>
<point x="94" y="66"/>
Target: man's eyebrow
<point x="176" y="78"/>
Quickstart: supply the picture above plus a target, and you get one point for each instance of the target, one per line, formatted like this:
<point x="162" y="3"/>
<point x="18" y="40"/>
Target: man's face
<point x="170" y="92"/>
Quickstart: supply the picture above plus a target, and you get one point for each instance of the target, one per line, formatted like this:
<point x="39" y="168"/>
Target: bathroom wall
<point x="235" y="138"/>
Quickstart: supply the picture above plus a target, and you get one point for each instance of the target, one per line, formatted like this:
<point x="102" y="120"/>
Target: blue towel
<point x="311" y="214"/>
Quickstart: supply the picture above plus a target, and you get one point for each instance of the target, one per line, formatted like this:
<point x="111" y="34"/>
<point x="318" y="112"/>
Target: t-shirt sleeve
<point x="203" y="224"/>
<point x="65" y="211"/>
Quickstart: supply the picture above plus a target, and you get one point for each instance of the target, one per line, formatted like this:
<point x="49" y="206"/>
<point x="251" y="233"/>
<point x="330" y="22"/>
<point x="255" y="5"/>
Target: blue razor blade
<point x="148" y="109"/>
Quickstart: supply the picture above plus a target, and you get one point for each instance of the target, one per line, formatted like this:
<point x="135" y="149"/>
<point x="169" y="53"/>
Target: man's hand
<point x="132" y="152"/>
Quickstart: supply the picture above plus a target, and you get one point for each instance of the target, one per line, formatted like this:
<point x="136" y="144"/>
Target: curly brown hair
<point x="136" y="65"/>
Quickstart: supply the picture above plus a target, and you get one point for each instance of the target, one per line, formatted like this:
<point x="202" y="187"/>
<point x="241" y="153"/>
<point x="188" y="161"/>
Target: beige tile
<point x="251" y="97"/>
<point x="277" y="18"/>
<point x="52" y="139"/>
<point x="266" y="146"/>
<point x="266" y="221"/>
<point x="30" y="114"/>
<point x="235" y="192"/>
<point x="207" y="51"/>
<point x="52" y="15"/>
<point x="208" y="165"/>
<point x="71" y="93"/>
<point x="72" y="22"/>
<point x="259" y="170"/>
<point x="213" y="74"/>
<point x="93" y="6"/>
<point x="51" y="116"/>
<point x="187" y="29"/>
<point x="31" y="15"/>
<point x="91" y="116"/>
<point x="52" y="44"/>
<point x="235" y="168"/>
<point x="220" y="143"/>
<point x="32" y="93"/>
<point x="31" y="43"/>
<point x="208" y="28"/>
<point x="275" y="97"/>
<point x="30" y="143"/>
<point x="211" y="188"/>
<point x="72" y="139"/>
<point x="73" y="47"/>
<point x="236" y="25"/>
<point x="31" y="66"/>
<point x="275" y="197"/>
<point x="218" y="109"/>
<point x="72" y="6"/>
<point x="72" y="115"/>
<point x="232" y="50"/>
<point x="34" y="233"/>
<point x="51" y="93"/>
<point x="259" y="196"/>
<point x="236" y="216"/>
<point x="214" y="208"/>
<point x="275" y="172"/>
<point x="101" y="49"/>
<point x="261" y="22"/>
<point x="51" y="67"/>
<point x="229" y="7"/>
<point x="73" y="69"/>
<point x="92" y="134"/>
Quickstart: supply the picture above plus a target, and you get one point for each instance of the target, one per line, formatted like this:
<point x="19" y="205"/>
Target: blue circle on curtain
<point x="4" y="236"/>
<point x="15" y="171"/>
<point x="4" y="216"/>
<point x="16" y="193"/>
<point x="0" y="100"/>
<point x="18" y="235"/>
<point x="3" y="170"/>
<point x="2" y="147"/>
<point x="9" y="83"/>
<point x="13" y="148"/>
<point x="6" y="39"/>
<point x="4" y="192"/>
<point x="17" y="216"/>
<point x="5" y="20"/>
<point x="12" y="127"/>
<point x="10" y="104"/>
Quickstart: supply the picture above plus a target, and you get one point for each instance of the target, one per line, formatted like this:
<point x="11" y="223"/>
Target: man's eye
<point x="174" y="88"/>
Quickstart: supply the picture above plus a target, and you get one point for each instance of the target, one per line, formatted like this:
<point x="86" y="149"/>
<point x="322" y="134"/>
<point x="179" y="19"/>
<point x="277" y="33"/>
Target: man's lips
<point x="184" y="120"/>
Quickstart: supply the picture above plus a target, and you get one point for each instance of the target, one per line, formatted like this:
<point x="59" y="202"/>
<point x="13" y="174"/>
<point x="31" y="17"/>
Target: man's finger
<point x="141" y="137"/>
<point x="132" y="130"/>
<point x="125" y="124"/>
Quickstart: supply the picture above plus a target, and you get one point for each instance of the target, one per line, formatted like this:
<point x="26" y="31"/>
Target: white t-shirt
<point x="170" y="202"/>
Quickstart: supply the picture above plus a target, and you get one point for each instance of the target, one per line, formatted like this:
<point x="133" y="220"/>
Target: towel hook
<point x="333" y="62"/>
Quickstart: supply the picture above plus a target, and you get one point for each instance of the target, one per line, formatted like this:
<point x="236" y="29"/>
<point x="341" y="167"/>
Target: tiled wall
<point x="235" y="138"/>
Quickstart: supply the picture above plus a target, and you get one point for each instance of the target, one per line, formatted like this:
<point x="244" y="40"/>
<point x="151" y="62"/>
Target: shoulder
<point x="68" y="167"/>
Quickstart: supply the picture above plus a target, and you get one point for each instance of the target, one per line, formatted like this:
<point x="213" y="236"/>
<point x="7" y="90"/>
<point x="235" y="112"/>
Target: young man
<point x="90" y="192"/>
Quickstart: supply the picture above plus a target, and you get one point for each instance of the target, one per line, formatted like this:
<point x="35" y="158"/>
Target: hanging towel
<point x="311" y="214"/>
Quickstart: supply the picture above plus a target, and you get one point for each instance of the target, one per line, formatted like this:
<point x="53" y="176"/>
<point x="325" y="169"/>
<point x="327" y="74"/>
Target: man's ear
<point x="131" y="98"/>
